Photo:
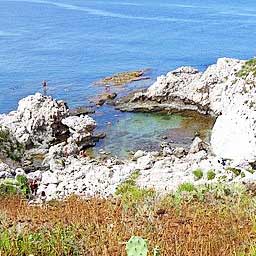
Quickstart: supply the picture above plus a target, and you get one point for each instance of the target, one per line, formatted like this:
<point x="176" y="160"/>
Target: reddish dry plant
<point x="103" y="226"/>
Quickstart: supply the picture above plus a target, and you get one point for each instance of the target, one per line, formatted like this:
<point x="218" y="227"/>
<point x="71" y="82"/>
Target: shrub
<point x="198" y="173"/>
<point x="247" y="68"/>
<point x="186" y="187"/>
<point x="9" y="146"/>
<point x="15" y="186"/>
<point x="131" y="194"/>
<point x="236" y="171"/>
<point x="211" y="175"/>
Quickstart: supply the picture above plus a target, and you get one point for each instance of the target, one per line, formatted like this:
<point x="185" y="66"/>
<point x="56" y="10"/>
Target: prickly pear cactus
<point x="136" y="246"/>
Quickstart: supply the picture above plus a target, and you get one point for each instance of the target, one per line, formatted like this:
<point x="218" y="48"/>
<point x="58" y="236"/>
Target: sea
<point x="74" y="43"/>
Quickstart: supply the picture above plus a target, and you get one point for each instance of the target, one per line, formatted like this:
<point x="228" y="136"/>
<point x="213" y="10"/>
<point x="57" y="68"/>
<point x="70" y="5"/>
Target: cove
<point x="129" y="132"/>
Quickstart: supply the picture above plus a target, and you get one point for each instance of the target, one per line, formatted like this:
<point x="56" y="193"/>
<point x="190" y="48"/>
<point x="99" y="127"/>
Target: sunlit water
<point x="73" y="43"/>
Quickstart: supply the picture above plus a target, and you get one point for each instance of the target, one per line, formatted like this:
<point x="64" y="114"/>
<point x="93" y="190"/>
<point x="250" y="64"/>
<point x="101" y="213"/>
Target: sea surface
<point x="73" y="43"/>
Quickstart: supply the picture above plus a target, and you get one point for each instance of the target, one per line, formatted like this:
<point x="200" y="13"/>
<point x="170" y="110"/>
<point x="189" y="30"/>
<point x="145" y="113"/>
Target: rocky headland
<point x="43" y="140"/>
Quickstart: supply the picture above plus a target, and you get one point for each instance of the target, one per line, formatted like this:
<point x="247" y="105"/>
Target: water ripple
<point x="98" y="12"/>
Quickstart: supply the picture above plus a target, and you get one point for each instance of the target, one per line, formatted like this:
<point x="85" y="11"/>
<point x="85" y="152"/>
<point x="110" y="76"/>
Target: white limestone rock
<point x="138" y="154"/>
<point x="49" y="178"/>
<point x="37" y="120"/>
<point x="81" y="128"/>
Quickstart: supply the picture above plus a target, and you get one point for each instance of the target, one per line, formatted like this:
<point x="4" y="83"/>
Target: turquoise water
<point x="73" y="43"/>
<point x="137" y="131"/>
<point x="147" y="131"/>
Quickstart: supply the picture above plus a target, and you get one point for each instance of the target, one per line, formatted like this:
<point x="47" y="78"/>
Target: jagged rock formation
<point x="41" y="121"/>
<point x="37" y="120"/>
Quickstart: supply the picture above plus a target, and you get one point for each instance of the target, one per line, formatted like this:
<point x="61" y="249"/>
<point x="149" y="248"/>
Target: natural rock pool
<point x="127" y="132"/>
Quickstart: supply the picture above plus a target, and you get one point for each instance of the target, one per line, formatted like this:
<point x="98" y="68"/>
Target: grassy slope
<point x="217" y="223"/>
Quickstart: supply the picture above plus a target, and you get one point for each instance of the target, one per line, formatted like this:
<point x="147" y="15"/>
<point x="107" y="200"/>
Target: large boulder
<point x="37" y="120"/>
<point x="234" y="133"/>
<point x="80" y="128"/>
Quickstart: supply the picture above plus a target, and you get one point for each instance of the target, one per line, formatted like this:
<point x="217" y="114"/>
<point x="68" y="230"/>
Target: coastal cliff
<point x="44" y="127"/>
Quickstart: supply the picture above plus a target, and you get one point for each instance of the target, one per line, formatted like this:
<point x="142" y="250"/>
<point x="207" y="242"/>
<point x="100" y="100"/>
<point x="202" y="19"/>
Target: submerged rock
<point x="83" y="110"/>
<point x="123" y="78"/>
<point x="105" y="97"/>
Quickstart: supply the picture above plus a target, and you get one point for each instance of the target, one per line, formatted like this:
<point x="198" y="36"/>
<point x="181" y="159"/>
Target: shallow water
<point x="73" y="43"/>
<point x="147" y="131"/>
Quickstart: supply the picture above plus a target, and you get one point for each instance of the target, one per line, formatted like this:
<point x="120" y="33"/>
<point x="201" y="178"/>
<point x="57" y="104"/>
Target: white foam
<point x="238" y="14"/>
<point x="7" y="34"/>
<point x="103" y="13"/>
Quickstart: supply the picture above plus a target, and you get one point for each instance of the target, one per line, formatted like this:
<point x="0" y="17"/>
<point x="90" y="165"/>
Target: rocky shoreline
<point x="46" y="142"/>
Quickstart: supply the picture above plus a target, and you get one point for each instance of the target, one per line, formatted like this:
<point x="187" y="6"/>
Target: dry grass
<point x="101" y="227"/>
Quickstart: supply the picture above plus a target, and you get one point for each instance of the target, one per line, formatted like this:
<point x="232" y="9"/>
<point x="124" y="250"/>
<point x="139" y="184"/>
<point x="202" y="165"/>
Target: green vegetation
<point x="18" y="186"/>
<point x="45" y="242"/>
<point x="248" y="67"/>
<point x="186" y="187"/>
<point x="136" y="246"/>
<point x="9" y="147"/>
<point x="211" y="174"/>
<point x="130" y="194"/>
<point x="217" y="213"/>
<point x="198" y="173"/>
<point x="235" y="171"/>
<point x="214" y="192"/>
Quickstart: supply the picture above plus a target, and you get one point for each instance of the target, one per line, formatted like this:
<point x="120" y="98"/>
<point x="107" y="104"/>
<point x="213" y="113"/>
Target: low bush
<point x="130" y="194"/>
<point x="18" y="186"/>
<point x="211" y="175"/>
<point x="248" y="67"/>
<point x="198" y="173"/>
<point x="9" y="146"/>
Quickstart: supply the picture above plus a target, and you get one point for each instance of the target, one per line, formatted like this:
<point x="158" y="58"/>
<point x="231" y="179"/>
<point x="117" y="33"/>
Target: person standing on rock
<point x="44" y="84"/>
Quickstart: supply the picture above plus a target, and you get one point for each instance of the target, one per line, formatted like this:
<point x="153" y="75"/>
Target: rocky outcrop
<point x="91" y="177"/>
<point x="188" y="89"/>
<point x="37" y="120"/>
<point x="218" y="91"/>
<point x="41" y="121"/>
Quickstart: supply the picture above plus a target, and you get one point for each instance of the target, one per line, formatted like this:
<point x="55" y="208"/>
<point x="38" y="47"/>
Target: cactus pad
<point x="136" y="246"/>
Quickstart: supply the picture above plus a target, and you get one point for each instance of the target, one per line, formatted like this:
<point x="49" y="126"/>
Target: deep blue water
<point x="72" y="43"/>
